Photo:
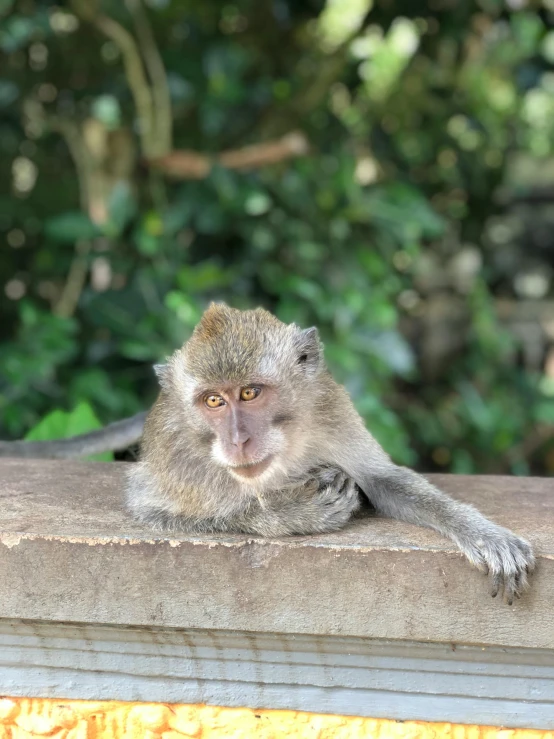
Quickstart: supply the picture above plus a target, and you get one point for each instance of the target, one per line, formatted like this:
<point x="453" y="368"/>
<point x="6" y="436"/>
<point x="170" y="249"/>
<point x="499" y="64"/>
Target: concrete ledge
<point x="69" y="552"/>
<point x="382" y="619"/>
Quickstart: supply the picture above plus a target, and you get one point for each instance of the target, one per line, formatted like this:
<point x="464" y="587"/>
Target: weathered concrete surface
<point x="69" y="552"/>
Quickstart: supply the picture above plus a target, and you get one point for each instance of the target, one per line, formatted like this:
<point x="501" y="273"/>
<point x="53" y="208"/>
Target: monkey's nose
<point x="240" y="441"/>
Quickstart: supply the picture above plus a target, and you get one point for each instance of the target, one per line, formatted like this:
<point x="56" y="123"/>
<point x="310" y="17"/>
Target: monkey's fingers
<point x="507" y="584"/>
<point x="340" y="481"/>
<point x="510" y="589"/>
<point x="510" y="576"/>
<point x="521" y="582"/>
<point x="530" y="557"/>
<point x="516" y="586"/>
<point x="348" y="486"/>
<point x="496" y="583"/>
<point x="328" y="477"/>
<point x="507" y="559"/>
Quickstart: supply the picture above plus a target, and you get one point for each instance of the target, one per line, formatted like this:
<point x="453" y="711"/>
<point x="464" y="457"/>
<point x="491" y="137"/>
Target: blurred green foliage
<point x="430" y="131"/>
<point x="59" y="424"/>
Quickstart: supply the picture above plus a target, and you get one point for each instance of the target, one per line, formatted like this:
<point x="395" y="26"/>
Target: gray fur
<point x="325" y="502"/>
<point x="321" y="449"/>
<point x="114" y="437"/>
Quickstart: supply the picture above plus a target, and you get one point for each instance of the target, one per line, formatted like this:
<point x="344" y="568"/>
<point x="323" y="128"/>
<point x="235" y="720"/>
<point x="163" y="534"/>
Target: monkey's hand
<point x="404" y="495"/>
<point x="334" y="497"/>
<point x="505" y="557"/>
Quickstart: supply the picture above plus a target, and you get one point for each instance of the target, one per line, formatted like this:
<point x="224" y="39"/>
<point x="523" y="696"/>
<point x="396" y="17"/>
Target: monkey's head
<point x="246" y="382"/>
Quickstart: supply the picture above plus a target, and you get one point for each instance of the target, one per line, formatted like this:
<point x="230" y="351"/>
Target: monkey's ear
<point x="309" y="350"/>
<point x="161" y="371"/>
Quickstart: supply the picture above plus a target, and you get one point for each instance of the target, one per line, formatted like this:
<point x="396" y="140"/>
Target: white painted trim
<point x="341" y="675"/>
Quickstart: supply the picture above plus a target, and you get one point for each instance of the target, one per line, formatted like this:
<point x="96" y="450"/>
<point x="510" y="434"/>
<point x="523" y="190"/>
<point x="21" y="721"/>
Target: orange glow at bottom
<point x="22" y="718"/>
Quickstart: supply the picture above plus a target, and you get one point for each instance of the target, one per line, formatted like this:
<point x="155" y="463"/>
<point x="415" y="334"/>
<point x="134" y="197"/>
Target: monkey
<point x="251" y="434"/>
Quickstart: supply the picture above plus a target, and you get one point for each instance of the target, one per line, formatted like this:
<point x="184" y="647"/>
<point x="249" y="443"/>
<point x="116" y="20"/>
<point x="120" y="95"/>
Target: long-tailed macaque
<point x="251" y="434"/>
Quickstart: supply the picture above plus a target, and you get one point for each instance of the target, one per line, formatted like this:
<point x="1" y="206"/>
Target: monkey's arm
<point x="324" y="502"/>
<point x="405" y="495"/>
<point x="112" y="438"/>
<point x="401" y="493"/>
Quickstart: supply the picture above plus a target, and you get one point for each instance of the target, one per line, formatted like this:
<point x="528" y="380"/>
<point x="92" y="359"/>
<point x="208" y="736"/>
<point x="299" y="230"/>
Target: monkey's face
<point x="245" y="421"/>
<point x="247" y="384"/>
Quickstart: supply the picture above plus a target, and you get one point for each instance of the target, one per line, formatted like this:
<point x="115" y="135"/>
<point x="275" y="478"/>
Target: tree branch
<point x="191" y="165"/>
<point x="67" y="302"/>
<point x="134" y="71"/>
<point x="158" y="77"/>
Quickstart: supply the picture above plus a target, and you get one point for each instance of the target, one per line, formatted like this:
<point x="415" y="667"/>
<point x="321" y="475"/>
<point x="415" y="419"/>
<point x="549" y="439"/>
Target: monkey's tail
<point x="112" y="438"/>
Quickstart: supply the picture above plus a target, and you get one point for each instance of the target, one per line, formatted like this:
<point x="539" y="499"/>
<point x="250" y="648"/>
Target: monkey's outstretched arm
<point x="112" y="438"/>
<point x="401" y="493"/>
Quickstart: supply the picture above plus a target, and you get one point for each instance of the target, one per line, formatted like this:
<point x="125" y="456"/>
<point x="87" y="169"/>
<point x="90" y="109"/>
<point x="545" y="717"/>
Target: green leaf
<point x="50" y="427"/>
<point x="257" y="203"/>
<point x="544" y="412"/>
<point x="60" y="424"/>
<point x="70" y="227"/>
<point x="389" y="346"/>
<point x="400" y="209"/>
<point x="17" y="31"/>
<point x="146" y="243"/>
<point x="106" y="108"/>
<point x="527" y="29"/>
<point x="203" y="277"/>
<point x="184" y="307"/>
<point x="9" y="92"/>
<point x="176" y="217"/>
<point x="6" y="6"/>
<point x="122" y="207"/>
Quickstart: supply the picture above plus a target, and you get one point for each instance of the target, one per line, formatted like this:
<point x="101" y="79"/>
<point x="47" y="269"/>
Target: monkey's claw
<point x="507" y="559"/>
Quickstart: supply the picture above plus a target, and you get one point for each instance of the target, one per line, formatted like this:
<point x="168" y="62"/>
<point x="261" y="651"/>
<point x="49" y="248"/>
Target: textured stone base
<point x="382" y="622"/>
<point x="22" y="718"/>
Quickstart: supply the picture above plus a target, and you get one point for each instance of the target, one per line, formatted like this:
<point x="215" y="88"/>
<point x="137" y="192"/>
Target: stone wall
<point x="361" y="633"/>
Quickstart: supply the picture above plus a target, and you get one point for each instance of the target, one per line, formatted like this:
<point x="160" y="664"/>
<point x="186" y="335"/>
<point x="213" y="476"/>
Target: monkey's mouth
<point x="252" y="469"/>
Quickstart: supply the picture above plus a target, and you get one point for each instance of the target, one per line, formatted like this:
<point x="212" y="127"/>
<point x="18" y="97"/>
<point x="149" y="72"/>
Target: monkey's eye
<point x="214" y="401"/>
<point x="249" y="393"/>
